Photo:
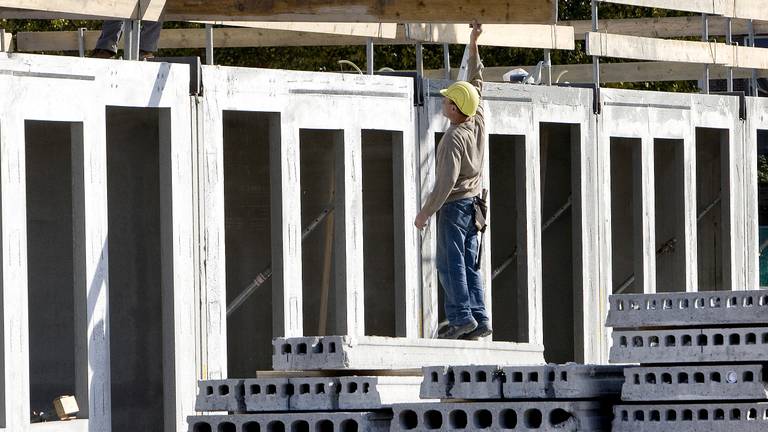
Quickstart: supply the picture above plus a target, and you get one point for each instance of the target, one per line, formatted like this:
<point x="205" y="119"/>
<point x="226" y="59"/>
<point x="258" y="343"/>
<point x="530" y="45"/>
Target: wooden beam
<point x="505" y="35"/>
<point x="375" y="30"/>
<point x="195" y="38"/>
<point x="744" y="9"/>
<point x="641" y="48"/>
<point x="617" y="72"/>
<point x="122" y="9"/>
<point x="446" y="11"/>
<point x="666" y="27"/>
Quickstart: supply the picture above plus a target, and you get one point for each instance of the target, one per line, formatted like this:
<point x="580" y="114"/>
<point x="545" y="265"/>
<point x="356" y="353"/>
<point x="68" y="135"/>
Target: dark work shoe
<point x="482" y="330"/>
<point x="455" y="331"/>
<point x="101" y="53"/>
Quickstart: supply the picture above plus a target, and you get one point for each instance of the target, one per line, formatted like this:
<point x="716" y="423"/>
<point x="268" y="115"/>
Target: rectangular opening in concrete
<point x="433" y="226"/>
<point x="322" y="185"/>
<point x="669" y="180"/>
<point x="138" y="163"/>
<point x="248" y="138"/>
<point x="509" y="295"/>
<point x="383" y="220"/>
<point x="56" y="326"/>
<point x="712" y="203"/>
<point x="626" y="239"/>
<point x="560" y="150"/>
<point x="762" y="203"/>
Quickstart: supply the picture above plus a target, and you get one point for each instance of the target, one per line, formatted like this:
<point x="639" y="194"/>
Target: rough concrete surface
<point x="715" y="417"/>
<point x="695" y="382"/>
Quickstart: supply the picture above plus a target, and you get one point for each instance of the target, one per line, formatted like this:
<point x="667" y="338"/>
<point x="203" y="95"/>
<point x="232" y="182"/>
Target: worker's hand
<point x="421" y="220"/>
<point x="477" y="30"/>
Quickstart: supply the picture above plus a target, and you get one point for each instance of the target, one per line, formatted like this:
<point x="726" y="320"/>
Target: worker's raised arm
<point x="474" y="65"/>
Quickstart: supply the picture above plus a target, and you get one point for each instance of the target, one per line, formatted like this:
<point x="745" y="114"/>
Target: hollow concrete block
<point x="220" y="395"/>
<point x="714" y="417"/>
<point x="695" y="382"/>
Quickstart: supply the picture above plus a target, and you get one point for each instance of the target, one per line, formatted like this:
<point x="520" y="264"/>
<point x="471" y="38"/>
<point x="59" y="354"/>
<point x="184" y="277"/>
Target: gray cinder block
<point x="744" y="344"/>
<point x="714" y="308"/>
<point x="569" y="381"/>
<point x="309" y="353"/>
<point x="309" y="421"/>
<point x="358" y="392"/>
<point x="476" y="382"/>
<point x="435" y="384"/>
<point x="314" y="394"/>
<point x="716" y="417"/>
<point x="220" y="395"/>
<point x="694" y="382"/>
<point x="267" y="394"/>
<point x="561" y="416"/>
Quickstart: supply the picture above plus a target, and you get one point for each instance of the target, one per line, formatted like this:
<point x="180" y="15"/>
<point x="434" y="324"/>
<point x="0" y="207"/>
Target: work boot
<point x="455" y="331"/>
<point x="146" y="55"/>
<point x="482" y="330"/>
<point x="101" y="53"/>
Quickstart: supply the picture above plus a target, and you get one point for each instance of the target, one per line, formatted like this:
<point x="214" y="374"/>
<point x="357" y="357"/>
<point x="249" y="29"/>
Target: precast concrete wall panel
<point x="305" y="101"/>
<point x="756" y="127"/>
<point x="78" y="91"/>
<point x="516" y="112"/>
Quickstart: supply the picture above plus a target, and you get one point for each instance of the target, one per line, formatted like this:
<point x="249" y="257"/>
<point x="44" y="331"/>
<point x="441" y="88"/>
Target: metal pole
<point x="209" y="44"/>
<point x="419" y="59"/>
<point x="548" y="65"/>
<point x="2" y="40"/>
<point x="705" y="38"/>
<point x="447" y="61"/>
<point x="81" y="41"/>
<point x="369" y="56"/>
<point x="753" y="80"/>
<point x="595" y="59"/>
<point x="136" y="39"/>
<point x="729" y="41"/>
<point x="128" y="37"/>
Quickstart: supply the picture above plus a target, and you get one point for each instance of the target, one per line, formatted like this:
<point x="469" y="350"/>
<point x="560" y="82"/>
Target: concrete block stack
<point x="702" y="356"/>
<point x="344" y="404"/>
<point x="521" y="398"/>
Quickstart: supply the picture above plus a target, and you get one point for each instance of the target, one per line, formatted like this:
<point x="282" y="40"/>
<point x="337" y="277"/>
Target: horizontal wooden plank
<point x="664" y="27"/>
<point x="504" y="35"/>
<point x="376" y="30"/>
<point x="744" y="9"/>
<point x="133" y="9"/>
<point x="229" y="37"/>
<point x="443" y="11"/>
<point x="616" y="72"/>
<point x="642" y="48"/>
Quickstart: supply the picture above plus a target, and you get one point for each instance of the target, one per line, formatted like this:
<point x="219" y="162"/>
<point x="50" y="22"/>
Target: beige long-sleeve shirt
<point x="460" y="154"/>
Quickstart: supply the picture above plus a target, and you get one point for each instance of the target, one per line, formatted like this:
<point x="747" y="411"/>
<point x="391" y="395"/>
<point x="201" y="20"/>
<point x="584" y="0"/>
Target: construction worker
<point x="457" y="187"/>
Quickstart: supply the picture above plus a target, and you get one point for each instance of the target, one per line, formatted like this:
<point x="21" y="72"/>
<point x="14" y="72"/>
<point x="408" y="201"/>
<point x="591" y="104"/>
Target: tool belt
<point x="481" y="211"/>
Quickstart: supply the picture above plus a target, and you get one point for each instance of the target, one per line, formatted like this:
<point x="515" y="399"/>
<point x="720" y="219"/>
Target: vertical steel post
<point x="209" y="44"/>
<point x="447" y="61"/>
<point x="419" y="59"/>
<point x="548" y="66"/>
<point x="753" y="80"/>
<point x="81" y="41"/>
<point x="369" y="56"/>
<point x="595" y="59"/>
<point x="705" y="38"/>
<point x="729" y="41"/>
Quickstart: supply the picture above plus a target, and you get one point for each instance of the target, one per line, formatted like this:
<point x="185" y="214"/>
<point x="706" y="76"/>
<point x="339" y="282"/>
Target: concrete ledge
<point x="80" y="425"/>
<point x="746" y="417"/>
<point x="374" y="353"/>
<point x="748" y="344"/>
<point x="520" y="416"/>
<point x="688" y="309"/>
<point x="321" y="421"/>
<point x="695" y="382"/>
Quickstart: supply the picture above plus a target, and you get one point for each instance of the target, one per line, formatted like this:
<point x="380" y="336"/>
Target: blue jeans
<point x="112" y="30"/>
<point x="457" y="248"/>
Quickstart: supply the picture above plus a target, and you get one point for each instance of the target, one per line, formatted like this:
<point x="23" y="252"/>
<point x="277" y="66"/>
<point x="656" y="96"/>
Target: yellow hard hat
<point x="464" y="95"/>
